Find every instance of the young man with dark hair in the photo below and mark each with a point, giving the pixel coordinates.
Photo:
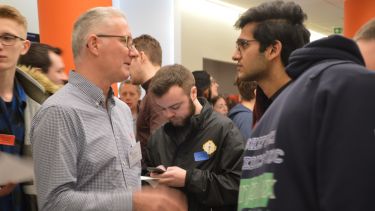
(48, 59)
(20, 98)
(365, 38)
(269, 33)
(142, 70)
(314, 147)
(200, 149)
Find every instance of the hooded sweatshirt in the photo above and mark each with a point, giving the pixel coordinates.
(314, 148)
(242, 117)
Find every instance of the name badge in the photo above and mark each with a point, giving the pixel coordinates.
(200, 156)
(6, 139)
(135, 154)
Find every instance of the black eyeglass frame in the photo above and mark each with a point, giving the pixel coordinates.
(12, 37)
(243, 43)
(125, 38)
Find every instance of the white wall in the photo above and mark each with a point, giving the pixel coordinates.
(28, 8)
(155, 18)
(207, 31)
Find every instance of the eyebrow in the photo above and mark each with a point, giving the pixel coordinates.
(172, 105)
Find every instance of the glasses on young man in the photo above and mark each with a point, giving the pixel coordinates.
(9, 39)
(242, 44)
(126, 40)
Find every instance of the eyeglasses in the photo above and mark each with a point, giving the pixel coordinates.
(242, 44)
(125, 39)
(9, 39)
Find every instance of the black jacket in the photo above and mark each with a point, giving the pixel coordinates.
(314, 148)
(214, 181)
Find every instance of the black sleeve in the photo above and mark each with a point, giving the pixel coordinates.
(346, 144)
(149, 159)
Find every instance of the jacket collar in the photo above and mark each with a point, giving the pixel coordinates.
(32, 88)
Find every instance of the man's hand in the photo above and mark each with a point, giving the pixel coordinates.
(173, 177)
(7, 189)
(160, 198)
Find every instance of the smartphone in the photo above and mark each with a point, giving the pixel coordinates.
(155, 170)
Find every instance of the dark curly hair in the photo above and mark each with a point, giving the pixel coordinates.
(277, 20)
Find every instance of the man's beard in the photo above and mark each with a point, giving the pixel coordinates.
(186, 120)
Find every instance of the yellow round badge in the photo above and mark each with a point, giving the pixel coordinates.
(209, 147)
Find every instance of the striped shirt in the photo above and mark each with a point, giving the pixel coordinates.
(86, 156)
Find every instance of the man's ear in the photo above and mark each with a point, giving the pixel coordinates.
(25, 47)
(193, 93)
(93, 45)
(274, 50)
(142, 56)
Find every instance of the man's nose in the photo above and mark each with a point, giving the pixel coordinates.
(169, 114)
(236, 55)
(64, 76)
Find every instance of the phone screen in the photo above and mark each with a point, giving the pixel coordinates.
(155, 170)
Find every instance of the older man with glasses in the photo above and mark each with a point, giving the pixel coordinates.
(20, 97)
(86, 156)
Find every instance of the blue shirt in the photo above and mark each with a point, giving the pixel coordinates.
(12, 123)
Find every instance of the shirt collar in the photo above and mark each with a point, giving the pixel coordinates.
(90, 89)
(277, 93)
(146, 84)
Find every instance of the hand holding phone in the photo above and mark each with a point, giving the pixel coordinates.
(156, 170)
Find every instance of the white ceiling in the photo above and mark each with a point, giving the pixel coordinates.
(322, 15)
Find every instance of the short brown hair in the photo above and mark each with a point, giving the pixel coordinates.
(12, 13)
(38, 57)
(246, 89)
(150, 46)
(172, 75)
(366, 32)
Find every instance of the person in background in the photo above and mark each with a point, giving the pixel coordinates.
(242, 113)
(214, 87)
(206, 85)
(20, 98)
(269, 33)
(220, 105)
(86, 156)
(232, 100)
(131, 95)
(365, 39)
(200, 149)
(49, 62)
(202, 83)
(142, 70)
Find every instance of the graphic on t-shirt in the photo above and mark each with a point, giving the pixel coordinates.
(256, 192)
(257, 182)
